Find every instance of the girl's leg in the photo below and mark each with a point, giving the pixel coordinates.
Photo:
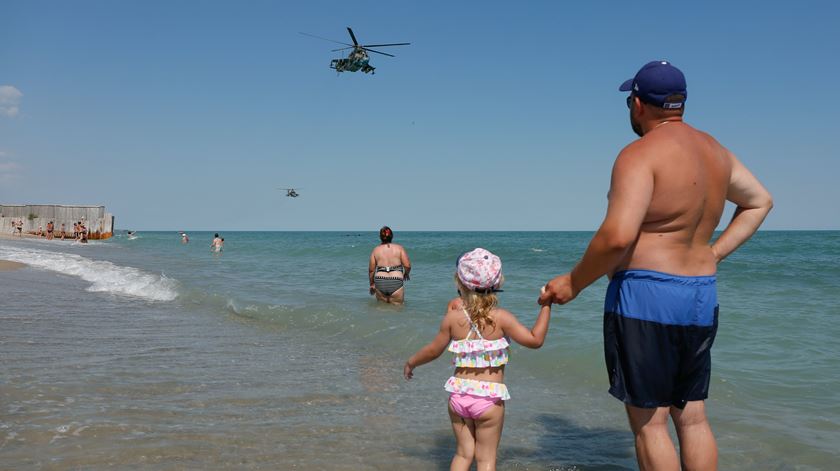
(488, 432)
(464, 430)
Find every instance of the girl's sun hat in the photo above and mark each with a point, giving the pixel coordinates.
(480, 270)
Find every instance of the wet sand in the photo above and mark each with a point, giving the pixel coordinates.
(6, 265)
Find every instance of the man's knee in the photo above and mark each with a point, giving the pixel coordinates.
(647, 420)
(692, 415)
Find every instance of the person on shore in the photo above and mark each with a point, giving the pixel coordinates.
(40, 232)
(20, 227)
(63, 231)
(388, 269)
(478, 335)
(50, 230)
(666, 198)
(216, 245)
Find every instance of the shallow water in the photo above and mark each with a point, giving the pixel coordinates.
(150, 354)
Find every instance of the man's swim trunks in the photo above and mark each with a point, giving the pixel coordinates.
(658, 335)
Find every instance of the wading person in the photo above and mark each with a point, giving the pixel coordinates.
(666, 198)
(388, 269)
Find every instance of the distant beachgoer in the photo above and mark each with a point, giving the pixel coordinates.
(40, 232)
(666, 198)
(222, 244)
(216, 245)
(63, 232)
(50, 229)
(185, 238)
(388, 269)
(477, 333)
(20, 227)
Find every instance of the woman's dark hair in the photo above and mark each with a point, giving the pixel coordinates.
(386, 235)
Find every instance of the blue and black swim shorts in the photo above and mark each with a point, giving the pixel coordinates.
(658, 335)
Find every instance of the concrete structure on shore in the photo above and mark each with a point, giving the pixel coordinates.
(100, 224)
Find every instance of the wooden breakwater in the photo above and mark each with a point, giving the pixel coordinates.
(99, 223)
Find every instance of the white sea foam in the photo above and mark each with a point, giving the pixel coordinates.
(103, 276)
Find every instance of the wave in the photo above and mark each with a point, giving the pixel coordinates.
(103, 276)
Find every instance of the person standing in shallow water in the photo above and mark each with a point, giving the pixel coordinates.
(666, 198)
(388, 269)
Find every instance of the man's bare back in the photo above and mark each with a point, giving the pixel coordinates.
(667, 195)
(691, 171)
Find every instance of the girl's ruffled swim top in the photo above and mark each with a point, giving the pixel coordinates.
(479, 352)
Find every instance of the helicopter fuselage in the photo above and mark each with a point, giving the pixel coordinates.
(356, 61)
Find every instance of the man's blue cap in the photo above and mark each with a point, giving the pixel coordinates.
(658, 83)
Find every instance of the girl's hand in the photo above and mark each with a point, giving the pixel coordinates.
(408, 371)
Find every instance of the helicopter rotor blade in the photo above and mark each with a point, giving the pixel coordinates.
(352, 36)
(325, 39)
(383, 45)
(378, 52)
(344, 48)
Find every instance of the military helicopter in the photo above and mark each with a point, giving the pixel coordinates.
(358, 58)
(290, 192)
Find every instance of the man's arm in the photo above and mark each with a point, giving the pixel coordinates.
(631, 191)
(754, 202)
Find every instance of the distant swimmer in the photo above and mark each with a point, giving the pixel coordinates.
(132, 235)
(185, 239)
(217, 244)
(388, 269)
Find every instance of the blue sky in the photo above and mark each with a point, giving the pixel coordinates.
(499, 116)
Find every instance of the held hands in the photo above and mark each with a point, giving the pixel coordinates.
(559, 290)
(408, 371)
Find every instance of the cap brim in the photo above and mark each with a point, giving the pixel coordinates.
(626, 86)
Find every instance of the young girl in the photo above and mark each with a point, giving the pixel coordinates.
(477, 333)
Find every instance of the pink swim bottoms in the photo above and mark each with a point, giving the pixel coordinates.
(469, 406)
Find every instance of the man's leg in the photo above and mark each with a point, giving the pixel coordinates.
(654, 448)
(698, 450)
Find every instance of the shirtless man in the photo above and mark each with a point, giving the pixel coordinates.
(50, 230)
(388, 269)
(666, 198)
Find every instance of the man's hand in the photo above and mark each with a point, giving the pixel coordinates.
(559, 291)
(408, 371)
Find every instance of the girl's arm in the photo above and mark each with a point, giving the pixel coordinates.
(431, 351)
(533, 338)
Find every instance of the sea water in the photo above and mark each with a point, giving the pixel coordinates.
(152, 354)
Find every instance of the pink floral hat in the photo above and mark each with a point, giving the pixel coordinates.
(480, 270)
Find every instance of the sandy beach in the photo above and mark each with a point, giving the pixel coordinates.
(6, 265)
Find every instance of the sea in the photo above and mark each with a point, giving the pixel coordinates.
(147, 353)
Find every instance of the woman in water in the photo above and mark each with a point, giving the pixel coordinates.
(388, 269)
(477, 332)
